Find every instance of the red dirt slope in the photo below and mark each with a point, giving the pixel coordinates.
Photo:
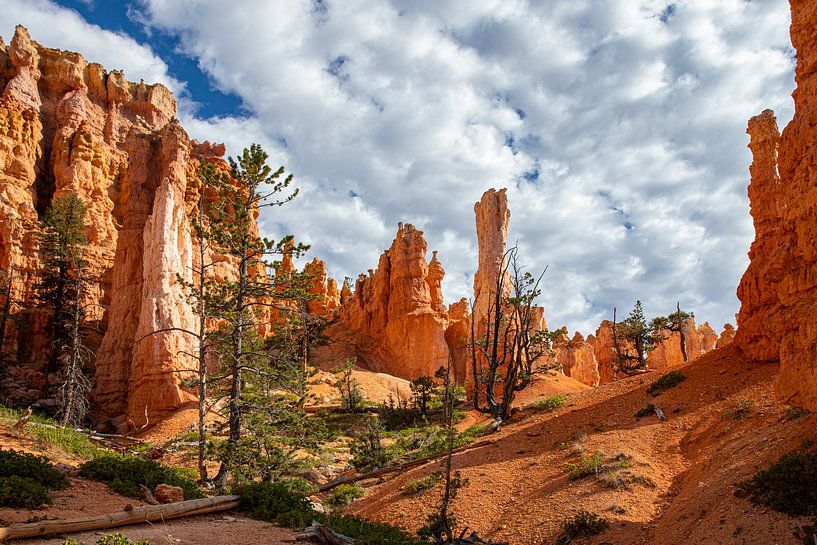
(675, 479)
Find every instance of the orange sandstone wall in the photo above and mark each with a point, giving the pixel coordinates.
(67, 125)
(778, 292)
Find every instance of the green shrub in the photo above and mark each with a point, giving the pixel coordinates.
(582, 524)
(16, 491)
(807, 533)
(418, 485)
(787, 486)
(551, 403)
(367, 450)
(793, 413)
(365, 532)
(112, 539)
(670, 380)
(345, 494)
(589, 465)
(34, 468)
(740, 409)
(475, 430)
(275, 502)
(124, 474)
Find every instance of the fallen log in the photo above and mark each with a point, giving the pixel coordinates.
(135, 515)
(399, 467)
(323, 535)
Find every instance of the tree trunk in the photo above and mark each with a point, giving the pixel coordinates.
(136, 515)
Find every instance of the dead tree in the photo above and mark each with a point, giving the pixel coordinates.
(74, 384)
(510, 343)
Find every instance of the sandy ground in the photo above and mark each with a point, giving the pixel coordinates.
(88, 498)
(679, 483)
(676, 486)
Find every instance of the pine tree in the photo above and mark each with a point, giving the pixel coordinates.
(60, 289)
(62, 241)
(238, 302)
(642, 336)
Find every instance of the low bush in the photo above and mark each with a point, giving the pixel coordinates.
(35, 468)
(670, 380)
(787, 486)
(589, 465)
(16, 491)
(418, 485)
(582, 524)
(365, 532)
(807, 533)
(345, 494)
(124, 474)
(740, 409)
(368, 451)
(551, 403)
(275, 502)
(793, 413)
(646, 410)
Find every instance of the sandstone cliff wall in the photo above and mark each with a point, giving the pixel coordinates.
(67, 125)
(778, 292)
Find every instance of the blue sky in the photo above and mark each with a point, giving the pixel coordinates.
(618, 126)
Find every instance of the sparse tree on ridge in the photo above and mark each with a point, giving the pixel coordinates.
(675, 322)
(637, 333)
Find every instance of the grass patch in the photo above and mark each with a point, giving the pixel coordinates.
(787, 486)
(670, 380)
(345, 494)
(582, 524)
(418, 485)
(66, 439)
(112, 539)
(550, 403)
(26, 480)
(124, 474)
(589, 465)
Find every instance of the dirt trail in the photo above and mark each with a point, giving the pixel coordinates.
(678, 478)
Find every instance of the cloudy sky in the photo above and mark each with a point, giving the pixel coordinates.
(618, 127)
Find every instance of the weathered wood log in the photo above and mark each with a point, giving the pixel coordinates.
(399, 467)
(136, 515)
(659, 413)
(323, 535)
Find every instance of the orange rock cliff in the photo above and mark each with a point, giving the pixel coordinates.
(67, 125)
(778, 292)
